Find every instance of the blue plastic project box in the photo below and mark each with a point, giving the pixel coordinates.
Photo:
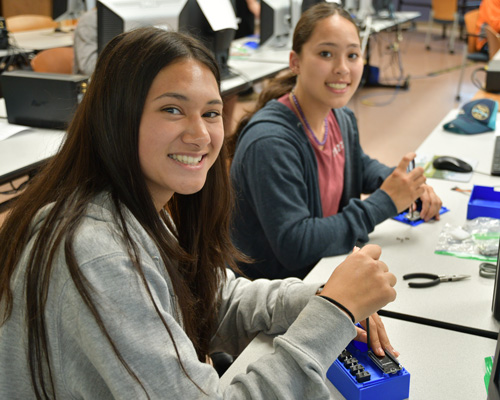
(380, 386)
(484, 201)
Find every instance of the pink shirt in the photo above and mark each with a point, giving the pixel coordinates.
(330, 162)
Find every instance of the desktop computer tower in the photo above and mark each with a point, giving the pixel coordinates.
(42, 100)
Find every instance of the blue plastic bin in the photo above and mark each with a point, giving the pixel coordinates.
(484, 201)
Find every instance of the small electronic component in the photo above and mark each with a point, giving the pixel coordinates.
(388, 364)
(413, 216)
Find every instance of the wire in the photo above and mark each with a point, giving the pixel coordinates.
(487, 270)
(467, 192)
(477, 83)
(368, 332)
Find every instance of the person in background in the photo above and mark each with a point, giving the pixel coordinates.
(298, 167)
(113, 279)
(85, 43)
(489, 14)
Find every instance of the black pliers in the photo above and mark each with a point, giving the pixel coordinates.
(434, 279)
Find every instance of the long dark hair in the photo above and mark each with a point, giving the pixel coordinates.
(101, 154)
(285, 82)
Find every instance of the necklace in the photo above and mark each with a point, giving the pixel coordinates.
(322, 143)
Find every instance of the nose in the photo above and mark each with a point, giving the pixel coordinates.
(196, 133)
(341, 67)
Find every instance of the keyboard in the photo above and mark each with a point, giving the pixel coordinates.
(495, 166)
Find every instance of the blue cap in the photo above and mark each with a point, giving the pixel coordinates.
(476, 116)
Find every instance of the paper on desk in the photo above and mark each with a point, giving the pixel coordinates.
(425, 162)
(8, 130)
(219, 15)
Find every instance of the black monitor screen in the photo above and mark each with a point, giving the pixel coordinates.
(493, 387)
(246, 25)
(193, 21)
(495, 304)
(275, 22)
(309, 3)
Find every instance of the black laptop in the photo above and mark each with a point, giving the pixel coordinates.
(42, 100)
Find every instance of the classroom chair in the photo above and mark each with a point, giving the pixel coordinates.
(443, 12)
(57, 60)
(493, 39)
(29, 22)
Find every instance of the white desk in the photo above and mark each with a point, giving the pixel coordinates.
(249, 73)
(465, 304)
(442, 364)
(39, 39)
(25, 151)
(270, 54)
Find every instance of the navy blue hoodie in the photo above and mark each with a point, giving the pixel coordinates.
(278, 219)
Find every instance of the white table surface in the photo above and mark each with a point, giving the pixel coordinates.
(34, 145)
(40, 39)
(443, 364)
(272, 54)
(465, 303)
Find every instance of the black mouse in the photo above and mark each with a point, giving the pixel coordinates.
(451, 164)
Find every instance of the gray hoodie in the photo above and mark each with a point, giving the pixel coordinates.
(312, 332)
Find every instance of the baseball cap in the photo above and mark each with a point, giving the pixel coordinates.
(476, 116)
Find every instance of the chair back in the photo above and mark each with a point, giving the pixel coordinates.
(444, 10)
(58, 60)
(493, 39)
(470, 19)
(29, 22)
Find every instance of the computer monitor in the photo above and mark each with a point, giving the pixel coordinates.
(494, 385)
(309, 3)
(495, 304)
(383, 8)
(350, 5)
(117, 16)
(70, 9)
(275, 23)
(246, 19)
(192, 20)
(365, 9)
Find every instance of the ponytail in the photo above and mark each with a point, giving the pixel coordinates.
(282, 84)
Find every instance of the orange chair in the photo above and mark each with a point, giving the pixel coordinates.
(29, 22)
(470, 53)
(443, 12)
(58, 60)
(493, 39)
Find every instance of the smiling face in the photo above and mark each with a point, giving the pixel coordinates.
(181, 131)
(329, 66)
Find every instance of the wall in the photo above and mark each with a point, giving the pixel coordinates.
(9, 8)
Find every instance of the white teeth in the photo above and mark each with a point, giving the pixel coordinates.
(186, 159)
(337, 85)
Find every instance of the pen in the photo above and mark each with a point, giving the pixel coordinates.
(411, 167)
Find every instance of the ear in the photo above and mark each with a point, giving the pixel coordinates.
(294, 62)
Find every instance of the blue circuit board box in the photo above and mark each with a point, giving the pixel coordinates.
(355, 374)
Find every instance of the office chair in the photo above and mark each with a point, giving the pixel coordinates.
(443, 12)
(57, 60)
(29, 22)
(470, 52)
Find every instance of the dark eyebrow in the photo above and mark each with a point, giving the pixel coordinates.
(181, 97)
(336, 45)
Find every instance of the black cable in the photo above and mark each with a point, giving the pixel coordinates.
(368, 333)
